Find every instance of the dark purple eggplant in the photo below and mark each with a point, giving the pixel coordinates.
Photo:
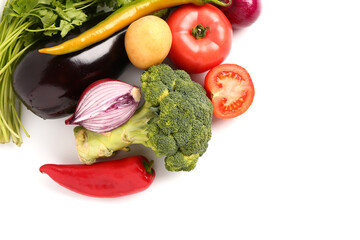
(50, 86)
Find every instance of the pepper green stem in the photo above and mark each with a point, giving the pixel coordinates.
(148, 165)
(199, 31)
(220, 3)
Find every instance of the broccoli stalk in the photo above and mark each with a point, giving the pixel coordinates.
(175, 121)
(91, 145)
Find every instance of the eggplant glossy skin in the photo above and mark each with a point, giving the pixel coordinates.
(50, 86)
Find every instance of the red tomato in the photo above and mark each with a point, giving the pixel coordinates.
(196, 55)
(230, 89)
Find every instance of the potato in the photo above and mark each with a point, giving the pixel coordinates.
(148, 41)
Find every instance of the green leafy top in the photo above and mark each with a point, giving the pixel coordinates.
(54, 16)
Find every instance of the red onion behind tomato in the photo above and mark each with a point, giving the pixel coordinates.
(242, 13)
(105, 105)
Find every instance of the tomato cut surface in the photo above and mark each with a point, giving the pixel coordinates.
(230, 89)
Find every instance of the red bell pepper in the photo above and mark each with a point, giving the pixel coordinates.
(106, 179)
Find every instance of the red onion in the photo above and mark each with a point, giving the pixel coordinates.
(105, 105)
(242, 13)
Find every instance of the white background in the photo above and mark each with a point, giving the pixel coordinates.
(289, 168)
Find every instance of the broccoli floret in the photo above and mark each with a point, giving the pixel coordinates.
(155, 92)
(175, 121)
(161, 143)
(181, 162)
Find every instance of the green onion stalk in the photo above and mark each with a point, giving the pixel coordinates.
(11, 49)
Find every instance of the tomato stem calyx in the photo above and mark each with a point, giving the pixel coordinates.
(199, 31)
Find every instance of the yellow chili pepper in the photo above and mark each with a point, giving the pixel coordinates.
(117, 21)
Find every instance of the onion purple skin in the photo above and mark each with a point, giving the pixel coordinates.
(50, 86)
(242, 13)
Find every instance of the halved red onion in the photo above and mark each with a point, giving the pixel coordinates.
(105, 105)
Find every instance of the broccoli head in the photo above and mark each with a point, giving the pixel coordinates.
(175, 121)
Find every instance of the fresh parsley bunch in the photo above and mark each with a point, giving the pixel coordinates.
(23, 23)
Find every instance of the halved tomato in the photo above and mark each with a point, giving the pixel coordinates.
(230, 89)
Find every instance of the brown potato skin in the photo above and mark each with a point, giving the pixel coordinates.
(148, 41)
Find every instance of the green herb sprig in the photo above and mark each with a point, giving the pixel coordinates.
(23, 23)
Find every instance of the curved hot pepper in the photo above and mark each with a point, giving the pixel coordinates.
(118, 20)
(107, 179)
